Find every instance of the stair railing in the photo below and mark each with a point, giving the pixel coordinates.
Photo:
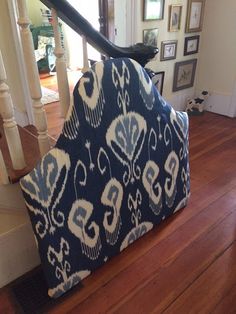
(61, 68)
(139, 52)
(85, 55)
(68, 14)
(9, 124)
(33, 77)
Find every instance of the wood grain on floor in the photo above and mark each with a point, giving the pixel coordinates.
(188, 263)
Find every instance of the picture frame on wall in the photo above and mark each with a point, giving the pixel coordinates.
(150, 37)
(184, 74)
(153, 10)
(195, 13)
(158, 80)
(175, 14)
(191, 45)
(168, 50)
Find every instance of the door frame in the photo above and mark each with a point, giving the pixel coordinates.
(131, 22)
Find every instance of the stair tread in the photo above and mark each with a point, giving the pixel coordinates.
(32, 129)
(9, 221)
(31, 152)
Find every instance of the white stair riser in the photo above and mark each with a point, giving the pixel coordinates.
(18, 253)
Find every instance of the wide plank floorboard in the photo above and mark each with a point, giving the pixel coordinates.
(207, 291)
(227, 303)
(160, 289)
(185, 265)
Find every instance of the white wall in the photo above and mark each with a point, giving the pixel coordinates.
(34, 7)
(177, 99)
(120, 22)
(217, 63)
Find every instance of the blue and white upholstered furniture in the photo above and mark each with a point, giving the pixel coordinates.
(118, 169)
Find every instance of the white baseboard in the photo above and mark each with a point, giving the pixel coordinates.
(18, 253)
(224, 104)
(232, 109)
(218, 104)
(178, 100)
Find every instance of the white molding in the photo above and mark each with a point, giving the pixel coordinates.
(18, 253)
(178, 100)
(219, 104)
(232, 107)
(131, 22)
(20, 60)
(223, 104)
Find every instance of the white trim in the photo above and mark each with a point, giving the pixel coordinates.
(131, 22)
(25, 89)
(179, 99)
(232, 108)
(219, 103)
(18, 253)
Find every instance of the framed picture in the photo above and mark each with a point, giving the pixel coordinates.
(168, 50)
(191, 45)
(194, 18)
(184, 74)
(153, 9)
(150, 37)
(175, 13)
(158, 81)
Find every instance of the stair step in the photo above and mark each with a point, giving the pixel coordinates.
(11, 198)
(18, 249)
(10, 220)
(32, 129)
(29, 142)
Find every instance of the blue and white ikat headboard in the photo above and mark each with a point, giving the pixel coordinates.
(119, 167)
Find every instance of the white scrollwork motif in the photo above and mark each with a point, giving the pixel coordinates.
(80, 213)
(171, 167)
(112, 196)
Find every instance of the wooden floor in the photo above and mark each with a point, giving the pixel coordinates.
(188, 263)
(53, 111)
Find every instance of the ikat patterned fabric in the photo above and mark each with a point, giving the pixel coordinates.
(119, 167)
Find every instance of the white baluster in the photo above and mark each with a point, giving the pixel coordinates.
(85, 55)
(4, 179)
(61, 68)
(9, 123)
(33, 78)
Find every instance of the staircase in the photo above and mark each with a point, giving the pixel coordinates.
(18, 251)
(22, 147)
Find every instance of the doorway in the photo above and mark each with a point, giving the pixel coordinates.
(107, 19)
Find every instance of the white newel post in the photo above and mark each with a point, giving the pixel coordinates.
(61, 68)
(85, 55)
(9, 123)
(33, 78)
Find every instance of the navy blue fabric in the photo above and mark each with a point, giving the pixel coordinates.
(119, 167)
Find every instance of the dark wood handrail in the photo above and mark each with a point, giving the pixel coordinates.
(139, 52)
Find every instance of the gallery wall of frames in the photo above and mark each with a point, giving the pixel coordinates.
(175, 28)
